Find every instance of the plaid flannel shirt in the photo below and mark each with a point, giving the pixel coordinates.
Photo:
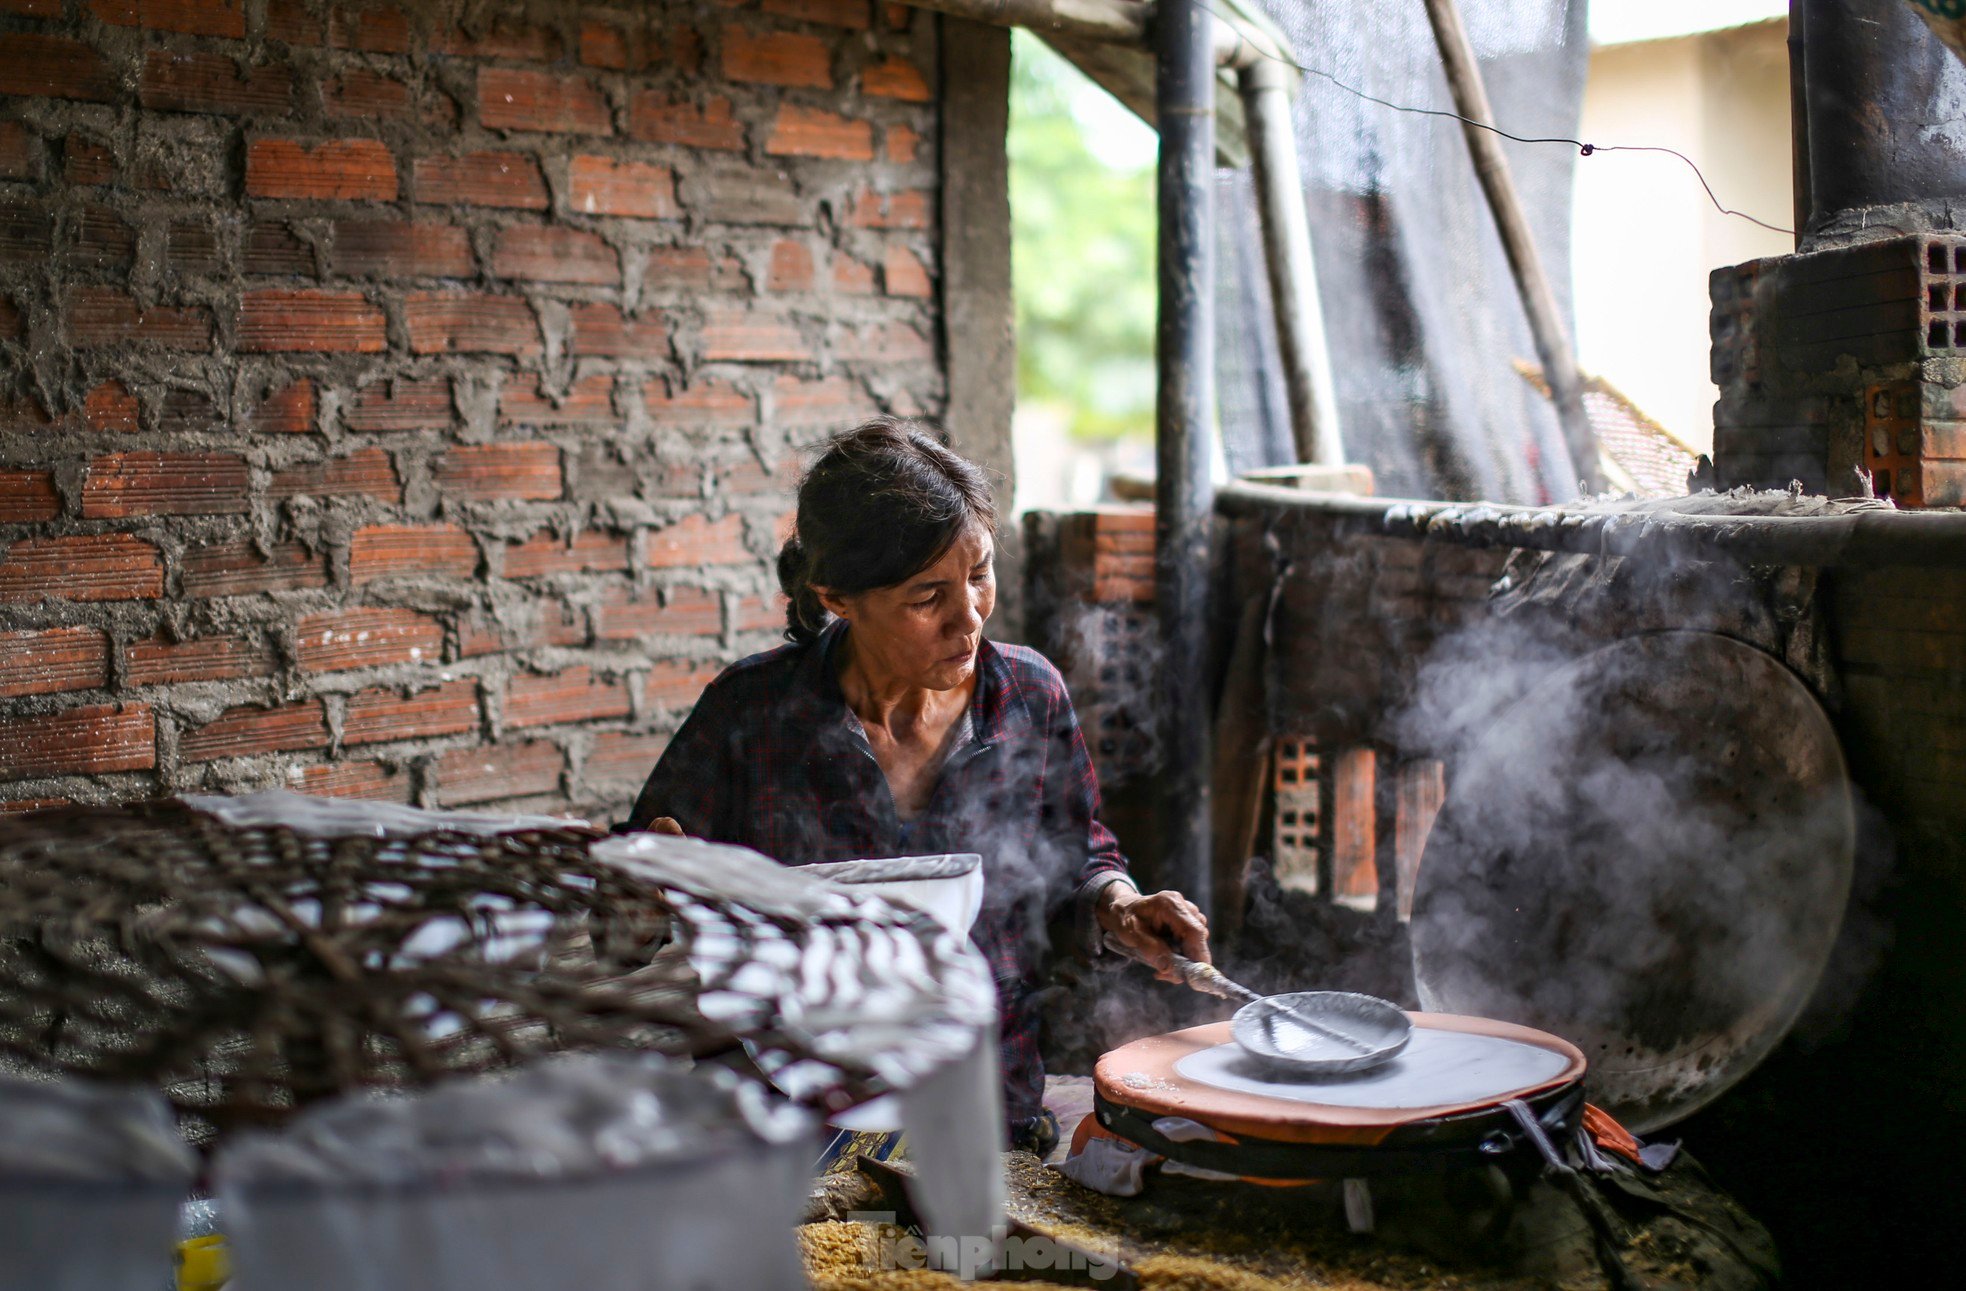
(771, 759)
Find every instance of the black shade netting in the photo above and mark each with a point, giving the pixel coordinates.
(1426, 327)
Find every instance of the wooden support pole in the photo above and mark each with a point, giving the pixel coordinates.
(1553, 348)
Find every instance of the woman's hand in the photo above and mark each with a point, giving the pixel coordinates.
(666, 825)
(1153, 926)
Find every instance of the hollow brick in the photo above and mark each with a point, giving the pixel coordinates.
(700, 403)
(906, 209)
(79, 741)
(378, 30)
(20, 153)
(590, 401)
(289, 410)
(620, 758)
(50, 660)
(895, 78)
(99, 316)
(751, 336)
(674, 685)
(851, 14)
(83, 567)
(902, 274)
(369, 781)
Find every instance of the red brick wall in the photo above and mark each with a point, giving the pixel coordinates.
(399, 401)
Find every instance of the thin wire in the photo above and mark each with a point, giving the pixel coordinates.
(1583, 149)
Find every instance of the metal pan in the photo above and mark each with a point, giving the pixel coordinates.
(1354, 1032)
(1304, 1033)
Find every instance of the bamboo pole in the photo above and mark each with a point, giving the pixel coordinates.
(1552, 336)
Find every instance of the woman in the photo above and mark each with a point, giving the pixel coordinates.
(890, 726)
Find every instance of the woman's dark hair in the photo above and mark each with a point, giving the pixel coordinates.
(883, 502)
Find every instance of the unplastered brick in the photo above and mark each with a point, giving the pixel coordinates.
(575, 695)
(399, 405)
(424, 380)
(620, 758)
(84, 567)
(489, 772)
(334, 170)
(602, 330)
(366, 472)
(366, 637)
(659, 116)
(46, 661)
(382, 716)
(551, 253)
(371, 781)
(411, 551)
(400, 249)
(694, 540)
(777, 58)
(486, 178)
(158, 661)
(451, 324)
(27, 496)
(522, 99)
(628, 615)
(91, 740)
(254, 729)
(176, 81)
(606, 186)
(188, 17)
(322, 322)
(490, 472)
(814, 132)
(587, 552)
(239, 568)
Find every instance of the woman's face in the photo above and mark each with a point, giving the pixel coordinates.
(924, 631)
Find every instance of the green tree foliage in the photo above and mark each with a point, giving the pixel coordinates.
(1082, 219)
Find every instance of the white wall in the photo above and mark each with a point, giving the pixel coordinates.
(1645, 234)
